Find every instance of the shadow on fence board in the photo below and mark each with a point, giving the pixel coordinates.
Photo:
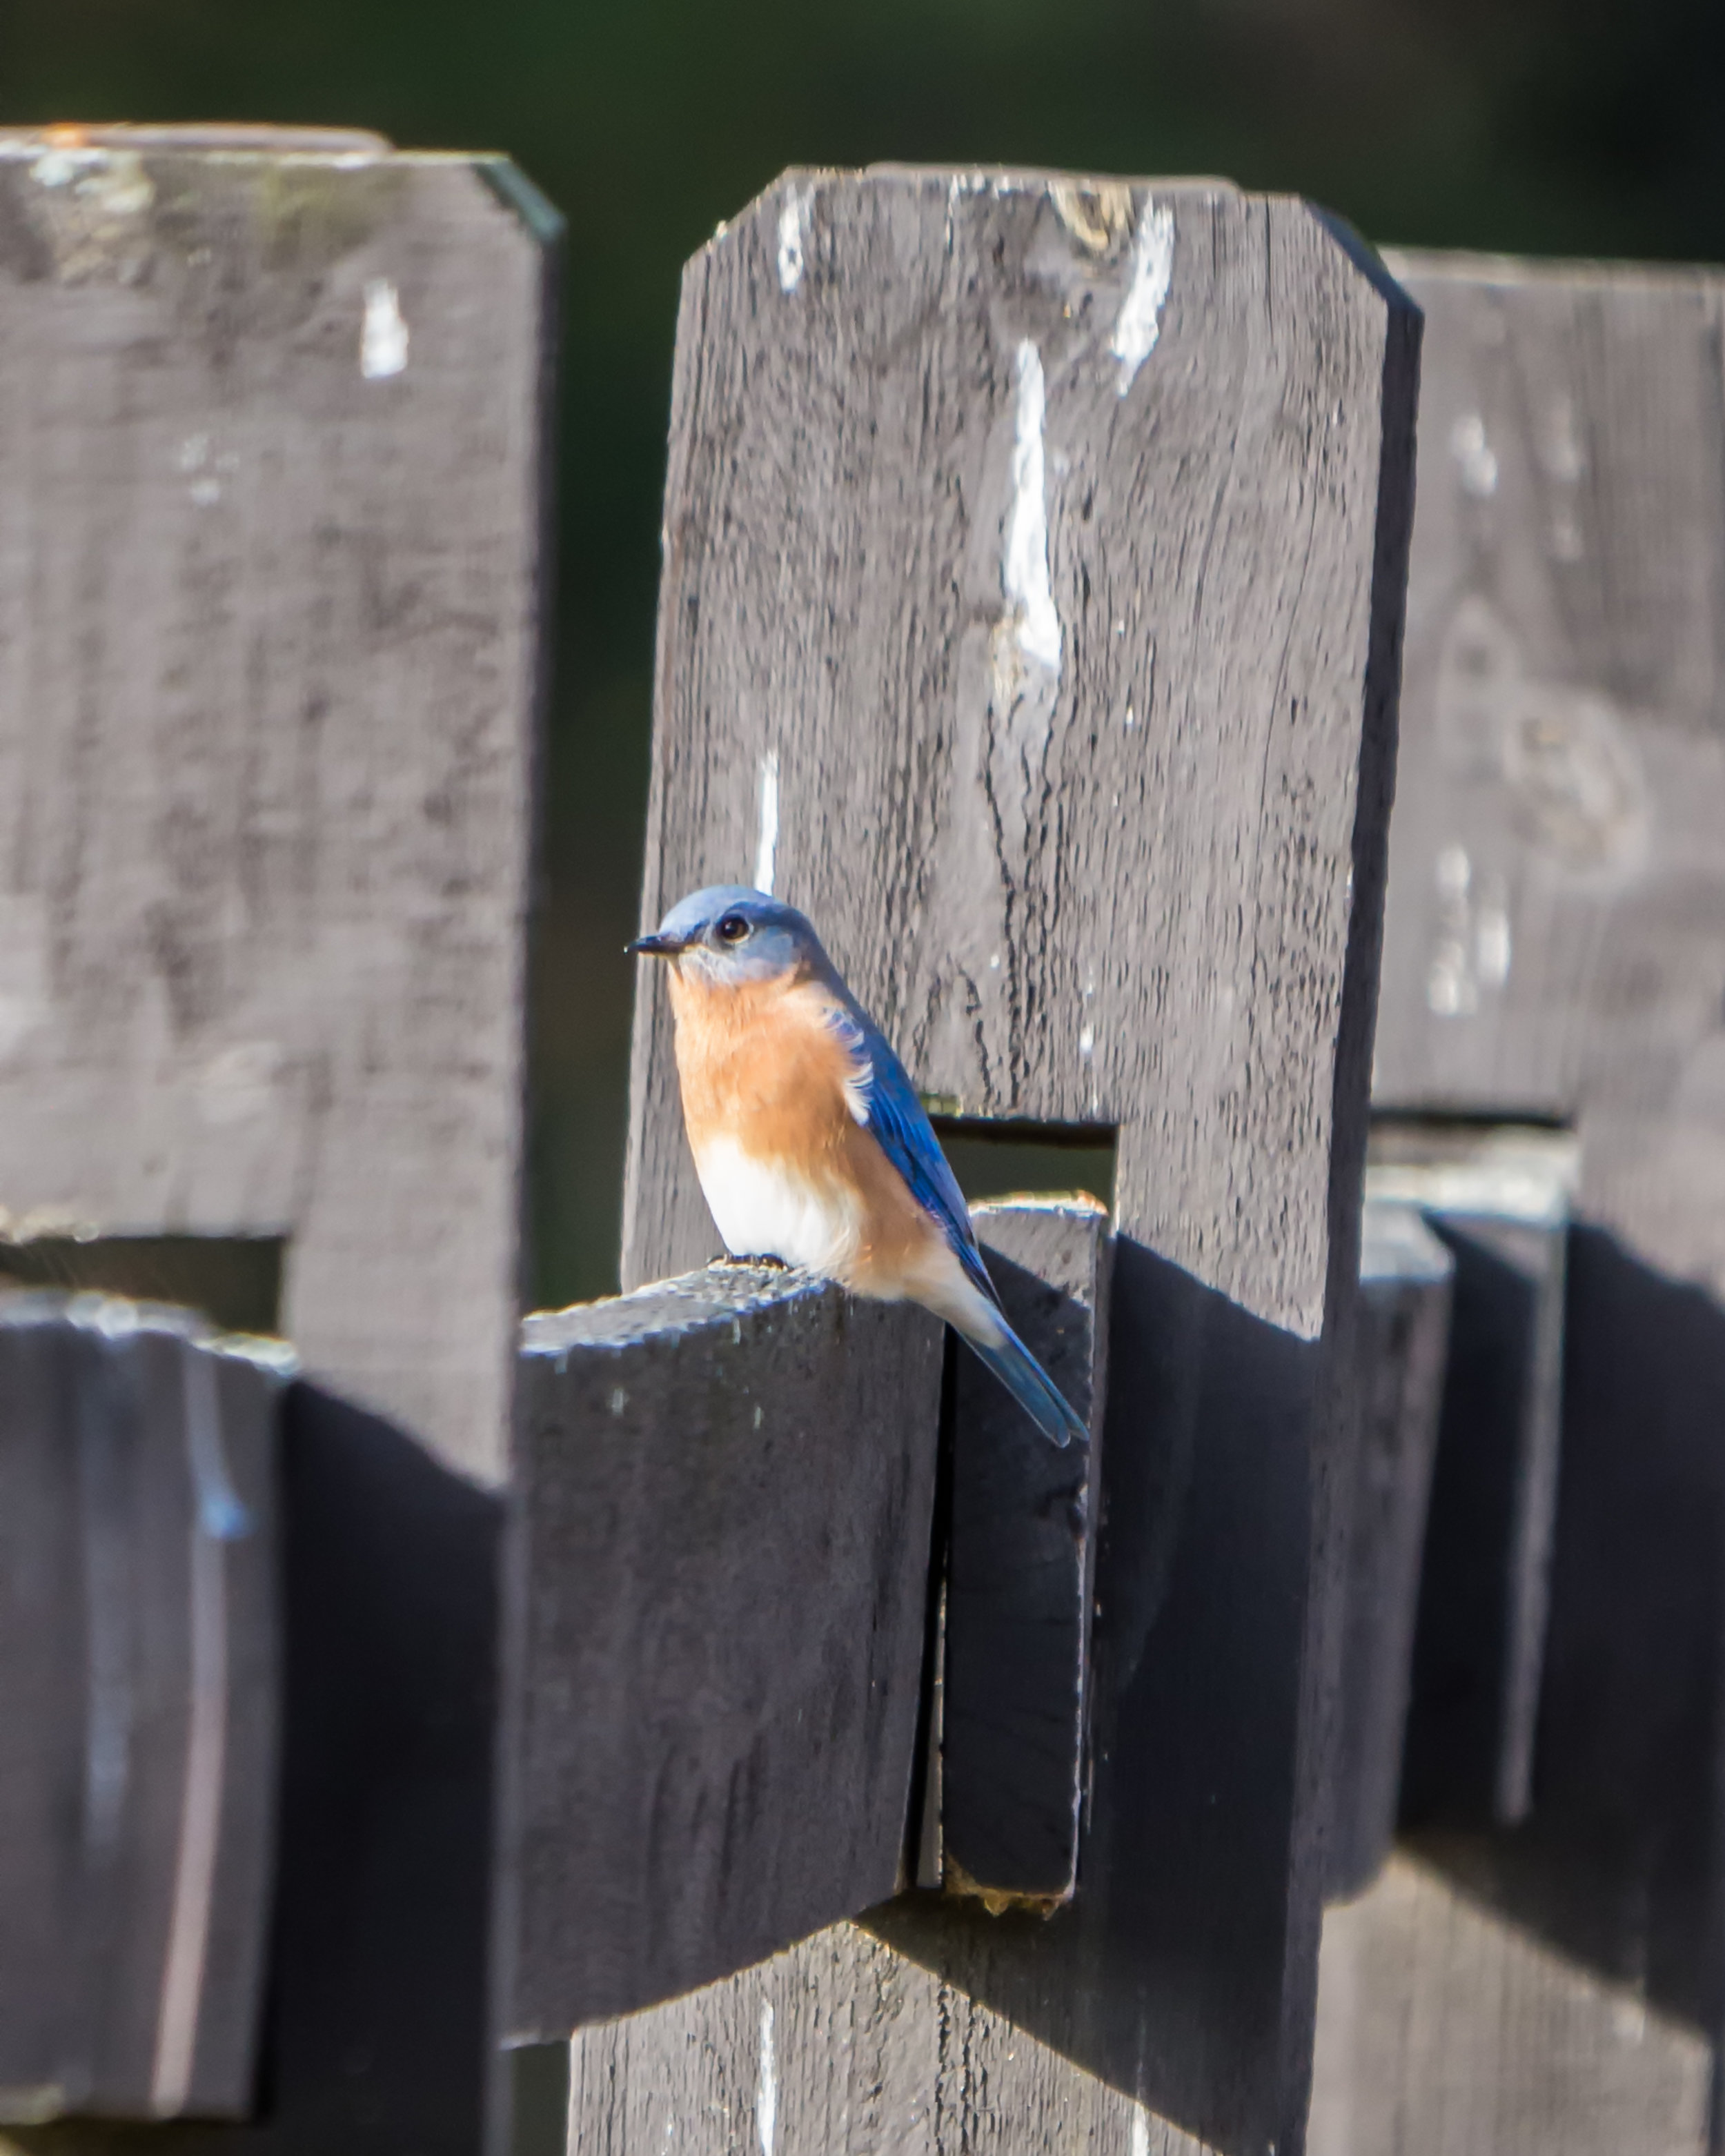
(1406, 1279)
(1555, 943)
(1163, 1977)
(1618, 1865)
(375, 2030)
(1498, 1197)
(1018, 1581)
(139, 1681)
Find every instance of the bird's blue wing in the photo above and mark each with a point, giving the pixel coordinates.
(889, 1109)
(880, 1096)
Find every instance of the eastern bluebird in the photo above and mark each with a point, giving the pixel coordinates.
(808, 1140)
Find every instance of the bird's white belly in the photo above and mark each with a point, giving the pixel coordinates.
(764, 1208)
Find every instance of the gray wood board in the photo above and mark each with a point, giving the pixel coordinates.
(1112, 889)
(726, 1487)
(1499, 1197)
(1555, 940)
(842, 2047)
(1445, 2028)
(376, 2032)
(271, 480)
(1406, 1279)
(1555, 927)
(1034, 554)
(140, 1692)
(1020, 1564)
(1623, 1865)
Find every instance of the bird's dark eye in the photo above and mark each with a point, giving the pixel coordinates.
(732, 928)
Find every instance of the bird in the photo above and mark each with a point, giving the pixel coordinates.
(809, 1142)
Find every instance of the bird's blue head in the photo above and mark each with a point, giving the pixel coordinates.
(729, 934)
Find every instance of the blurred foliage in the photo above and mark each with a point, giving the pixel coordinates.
(1534, 126)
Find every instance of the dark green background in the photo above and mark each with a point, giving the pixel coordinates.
(1591, 126)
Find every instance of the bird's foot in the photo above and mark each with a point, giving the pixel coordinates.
(762, 1261)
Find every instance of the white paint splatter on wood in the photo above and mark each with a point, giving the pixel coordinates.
(55, 168)
(1451, 989)
(383, 336)
(1474, 453)
(1560, 448)
(793, 232)
(1453, 871)
(197, 459)
(1493, 946)
(112, 183)
(238, 1083)
(767, 844)
(766, 2084)
(1138, 323)
(1024, 572)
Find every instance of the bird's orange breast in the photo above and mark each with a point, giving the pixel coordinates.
(758, 1064)
(761, 1065)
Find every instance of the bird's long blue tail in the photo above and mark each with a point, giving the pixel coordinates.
(1030, 1385)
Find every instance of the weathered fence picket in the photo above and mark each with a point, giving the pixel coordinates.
(726, 1486)
(1021, 1531)
(270, 497)
(1555, 946)
(1034, 563)
(272, 485)
(1499, 1197)
(369, 1927)
(140, 1696)
(1406, 1282)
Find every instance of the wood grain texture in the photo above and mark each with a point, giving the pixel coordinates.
(726, 1487)
(140, 1693)
(1406, 1279)
(1555, 940)
(1051, 604)
(271, 415)
(1443, 2031)
(1111, 889)
(378, 2013)
(1021, 1564)
(1555, 928)
(842, 2047)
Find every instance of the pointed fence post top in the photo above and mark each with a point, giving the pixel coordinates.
(1033, 554)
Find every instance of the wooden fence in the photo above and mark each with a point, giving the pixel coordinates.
(722, 1672)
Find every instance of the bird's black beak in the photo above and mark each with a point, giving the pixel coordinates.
(652, 946)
